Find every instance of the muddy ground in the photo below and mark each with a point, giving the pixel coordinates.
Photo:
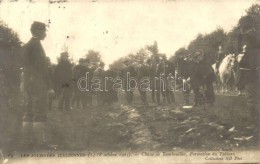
(120, 127)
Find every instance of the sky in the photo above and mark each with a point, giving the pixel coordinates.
(117, 28)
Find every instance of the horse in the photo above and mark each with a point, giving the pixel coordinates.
(228, 70)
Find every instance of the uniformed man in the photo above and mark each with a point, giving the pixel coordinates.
(219, 57)
(183, 77)
(81, 97)
(100, 74)
(110, 93)
(36, 85)
(63, 81)
(166, 70)
(127, 72)
(142, 74)
(152, 64)
(250, 64)
(202, 76)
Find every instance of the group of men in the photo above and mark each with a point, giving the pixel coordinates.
(64, 80)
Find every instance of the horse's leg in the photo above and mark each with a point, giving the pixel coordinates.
(222, 85)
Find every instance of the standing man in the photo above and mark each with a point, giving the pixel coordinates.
(250, 65)
(36, 86)
(63, 81)
(99, 73)
(128, 71)
(202, 76)
(152, 71)
(83, 97)
(166, 70)
(155, 87)
(142, 72)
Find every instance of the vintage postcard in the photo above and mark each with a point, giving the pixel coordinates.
(129, 81)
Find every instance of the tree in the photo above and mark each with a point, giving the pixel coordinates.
(153, 48)
(93, 56)
(10, 54)
(254, 11)
(209, 43)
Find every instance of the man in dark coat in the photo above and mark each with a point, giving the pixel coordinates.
(82, 70)
(166, 70)
(153, 62)
(63, 81)
(36, 86)
(128, 72)
(219, 57)
(250, 64)
(99, 74)
(142, 77)
(110, 93)
(202, 77)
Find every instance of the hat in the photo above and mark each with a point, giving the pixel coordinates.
(38, 26)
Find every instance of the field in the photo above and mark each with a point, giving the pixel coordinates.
(120, 127)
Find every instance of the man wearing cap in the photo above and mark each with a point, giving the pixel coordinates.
(250, 64)
(36, 84)
(79, 71)
(63, 81)
(219, 57)
(202, 75)
(142, 73)
(99, 73)
(128, 71)
(154, 61)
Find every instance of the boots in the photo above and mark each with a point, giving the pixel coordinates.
(27, 134)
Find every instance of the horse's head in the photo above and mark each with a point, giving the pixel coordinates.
(230, 60)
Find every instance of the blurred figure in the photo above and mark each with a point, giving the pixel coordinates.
(153, 75)
(36, 85)
(250, 65)
(82, 97)
(219, 57)
(63, 81)
(166, 70)
(142, 72)
(99, 74)
(202, 76)
(127, 72)
(110, 93)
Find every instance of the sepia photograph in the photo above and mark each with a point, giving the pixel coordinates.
(129, 81)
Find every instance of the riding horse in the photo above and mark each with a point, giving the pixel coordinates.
(228, 70)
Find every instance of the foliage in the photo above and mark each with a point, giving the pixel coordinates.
(93, 56)
(10, 57)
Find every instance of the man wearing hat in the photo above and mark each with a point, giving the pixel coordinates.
(250, 64)
(99, 73)
(36, 84)
(142, 73)
(128, 69)
(82, 69)
(219, 57)
(63, 81)
(202, 75)
(153, 63)
(166, 70)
